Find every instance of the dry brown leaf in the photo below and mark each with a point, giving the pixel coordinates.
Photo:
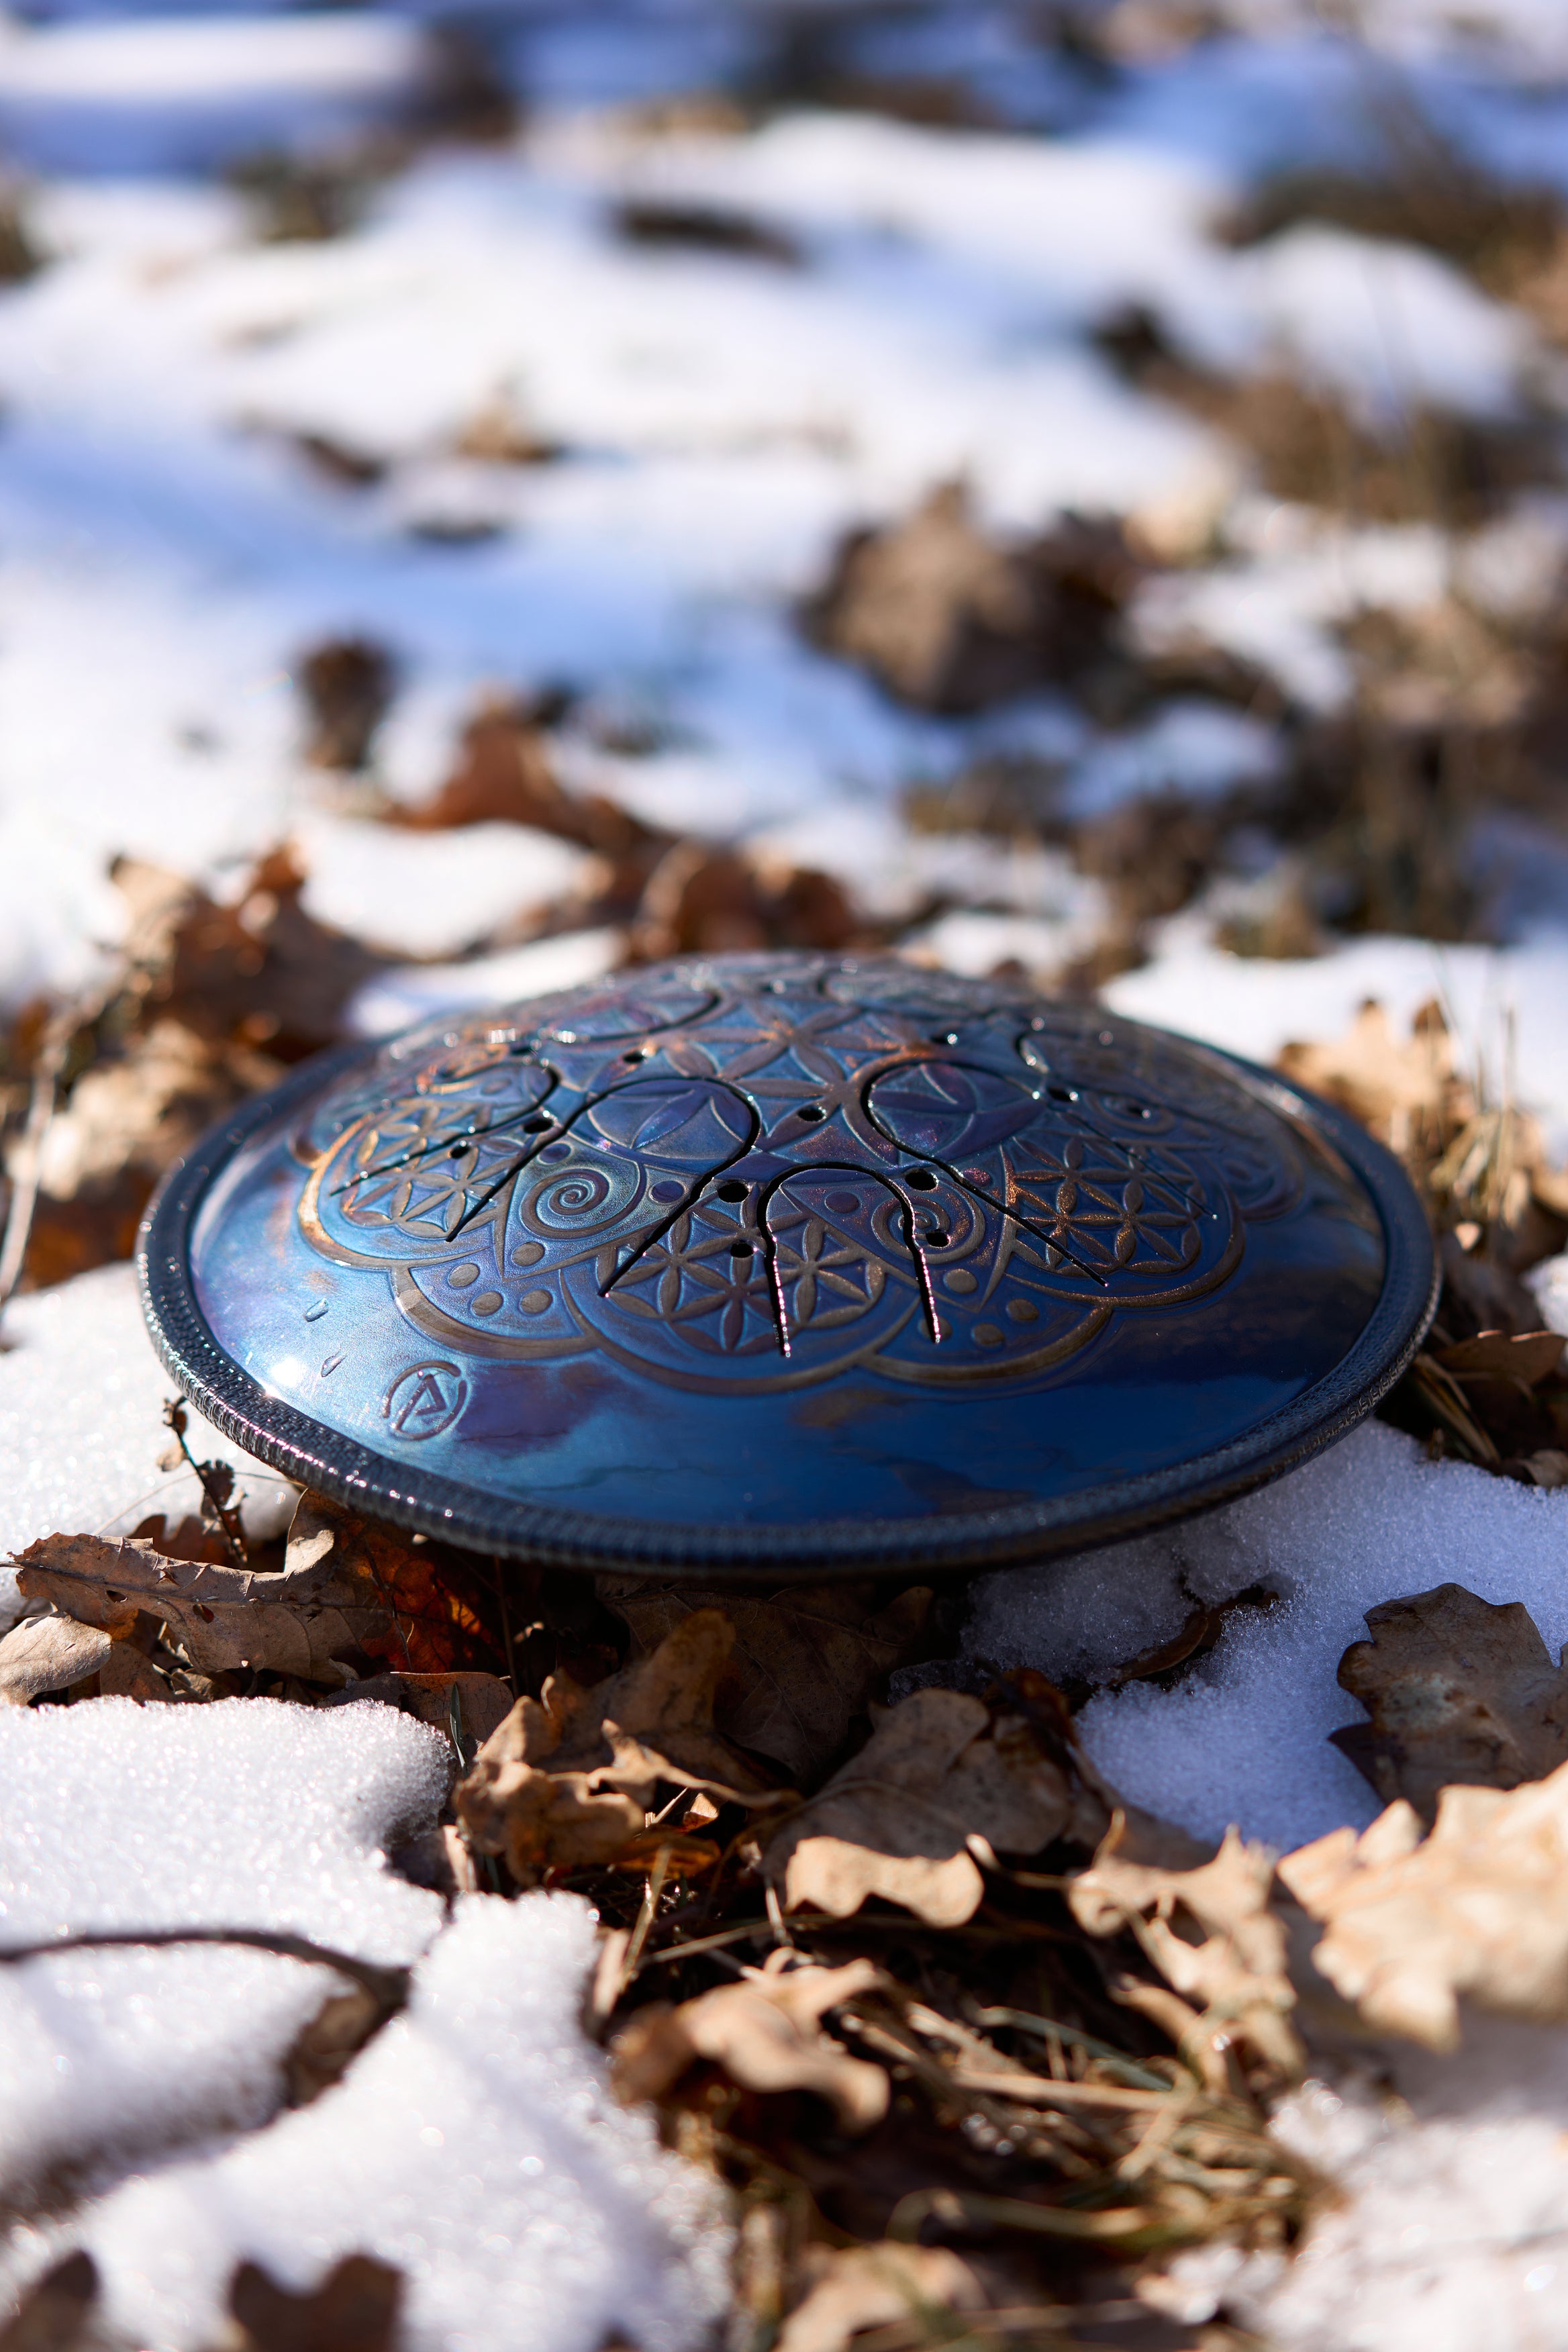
(765, 2032)
(47, 1653)
(564, 1781)
(349, 1585)
(1409, 1094)
(1478, 1911)
(872, 2286)
(1210, 1933)
(347, 685)
(543, 1821)
(897, 1819)
(354, 2309)
(950, 619)
(652, 1721)
(261, 969)
(804, 1663)
(1459, 1690)
(1527, 1358)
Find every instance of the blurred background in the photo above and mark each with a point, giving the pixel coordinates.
(1074, 488)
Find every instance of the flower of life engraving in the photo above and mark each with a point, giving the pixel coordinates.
(743, 1178)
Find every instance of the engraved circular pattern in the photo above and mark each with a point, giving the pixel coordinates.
(781, 1266)
(767, 1181)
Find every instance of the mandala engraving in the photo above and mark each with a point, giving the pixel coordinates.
(745, 1174)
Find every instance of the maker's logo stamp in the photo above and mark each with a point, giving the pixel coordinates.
(426, 1399)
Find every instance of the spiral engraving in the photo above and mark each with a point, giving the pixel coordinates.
(739, 1174)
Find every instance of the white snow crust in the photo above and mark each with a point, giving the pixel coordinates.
(475, 2145)
(82, 1440)
(243, 1814)
(1245, 1737)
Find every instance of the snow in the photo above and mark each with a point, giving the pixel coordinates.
(1198, 750)
(1454, 2233)
(243, 1814)
(432, 894)
(1549, 1282)
(1253, 1006)
(475, 2145)
(183, 94)
(82, 1438)
(1245, 1737)
(169, 553)
(406, 994)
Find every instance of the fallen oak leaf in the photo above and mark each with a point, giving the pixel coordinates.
(1478, 1910)
(1527, 1359)
(806, 1661)
(900, 1820)
(563, 1783)
(47, 1653)
(860, 2287)
(1235, 1966)
(542, 1821)
(223, 1618)
(765, 2032)
(1408, 1094)
(1459, 1690)
(349, 1585)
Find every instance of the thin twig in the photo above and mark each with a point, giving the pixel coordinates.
(228, 1519)
(387, 1983)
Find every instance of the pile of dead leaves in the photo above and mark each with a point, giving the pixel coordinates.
(978, 2048)
(1488, 1386)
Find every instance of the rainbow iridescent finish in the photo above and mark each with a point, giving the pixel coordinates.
(772, 1263)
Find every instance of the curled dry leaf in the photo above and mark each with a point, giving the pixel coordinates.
(806, 1661)
(1409, 1093)
(1211, 1934)
(349, 1585)
(1479, 1910)
(941, 1769)
(860, 2287)
(47, 1653)
(767, 2033)
(564, 1782)
(1526, 1357)
(1458, 1689)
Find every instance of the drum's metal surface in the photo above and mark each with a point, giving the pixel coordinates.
(753, 1265)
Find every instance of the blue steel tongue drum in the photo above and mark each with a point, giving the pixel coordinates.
(769, 1265)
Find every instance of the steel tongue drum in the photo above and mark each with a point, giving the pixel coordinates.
(763, 1265)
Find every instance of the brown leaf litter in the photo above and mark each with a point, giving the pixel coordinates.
(806, 1660)
(565, 1781)
(1457, 1690)
(1475, 1911)
(941, 1779)
(765, 2032)
(354, 2308)
(857, 2288)
(1213, 1936)
(949, 619)
(352, 1592)
(346, 684)
(207, 1004)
